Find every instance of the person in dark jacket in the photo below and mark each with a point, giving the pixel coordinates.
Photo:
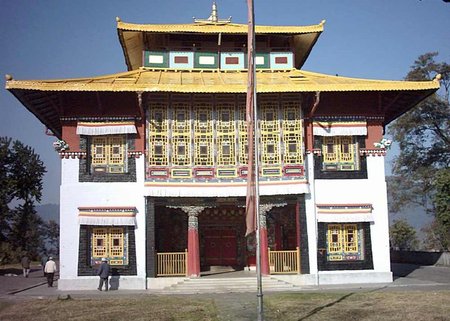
(25, 265)
(103, 273)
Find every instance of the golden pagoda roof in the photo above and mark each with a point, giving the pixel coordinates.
(134, 36)
(215, 81)
(216, 28)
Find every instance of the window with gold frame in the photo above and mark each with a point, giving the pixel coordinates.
(110, 243)
(108, 154)
(340, 153)
(344, 242)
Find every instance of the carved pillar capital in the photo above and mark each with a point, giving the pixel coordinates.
(193, 213)
(264, 209)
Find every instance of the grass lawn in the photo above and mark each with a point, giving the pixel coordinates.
(408, 305)
(136, 308)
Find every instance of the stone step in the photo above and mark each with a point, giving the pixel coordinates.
(225, 285)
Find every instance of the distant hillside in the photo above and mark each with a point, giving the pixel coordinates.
(48, 212)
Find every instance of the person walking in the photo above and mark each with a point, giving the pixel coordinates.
(103, 273)
(49, 270)
(25, 265)
(43, 261)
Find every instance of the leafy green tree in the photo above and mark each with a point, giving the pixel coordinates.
(21, 177)
(6, 187)
(423, 134)
(403, 236)
(51, 235)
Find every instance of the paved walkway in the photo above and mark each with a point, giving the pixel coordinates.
(406, 277)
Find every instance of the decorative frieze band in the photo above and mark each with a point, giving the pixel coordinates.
(74, 155)
(372, 152)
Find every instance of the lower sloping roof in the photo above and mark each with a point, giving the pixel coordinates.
(202, 81)
(46, 98)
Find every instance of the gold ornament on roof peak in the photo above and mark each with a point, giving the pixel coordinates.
(213, 18)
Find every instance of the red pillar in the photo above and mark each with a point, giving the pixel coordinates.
(193, 268)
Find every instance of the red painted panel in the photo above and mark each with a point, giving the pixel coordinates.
(220, 246)
(281, 60)
(232, 60)
(181, 59)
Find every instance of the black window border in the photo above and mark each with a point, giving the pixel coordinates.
(319, 173)
(325, 265)
(84, 253)
(85, 174)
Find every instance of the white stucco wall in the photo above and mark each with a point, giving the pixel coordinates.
(75, 194)
(371, 190)
(362, 191)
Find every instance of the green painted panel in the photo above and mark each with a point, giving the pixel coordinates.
(156, 59)
(206, 60)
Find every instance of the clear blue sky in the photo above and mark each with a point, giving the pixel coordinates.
(65, 39)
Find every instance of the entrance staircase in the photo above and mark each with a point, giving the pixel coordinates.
(227, 285)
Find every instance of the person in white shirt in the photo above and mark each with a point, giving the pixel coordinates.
(50, 269)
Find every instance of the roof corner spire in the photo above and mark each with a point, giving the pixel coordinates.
(214, 17)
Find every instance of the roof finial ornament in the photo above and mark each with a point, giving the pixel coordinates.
(214, 17)
(438, 78)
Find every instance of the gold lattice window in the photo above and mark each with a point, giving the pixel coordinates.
(339, 153)
(203, 119)
(108, 153)
(269, 120)
(158, 153)
(181, 134)
(334, 238)
(343, 242)
(243, 135)
(270, 154)
(181, 150)
(109, 242)
(99, 242)
(292, 132)
(99, 150)
(157, 118)
(226, 150)
(158, 139)
(181, 122)
(293, 148)
(116, 242)
(225, 123)
(350, 238)
(203, 153)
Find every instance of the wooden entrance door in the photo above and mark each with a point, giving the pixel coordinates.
(220, 246)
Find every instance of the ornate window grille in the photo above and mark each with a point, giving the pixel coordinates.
(340, 153)
(344, 242)
(158, 135)
(110, 243)
(108, 153)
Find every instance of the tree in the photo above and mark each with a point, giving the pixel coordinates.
(421, 168)
(21, 177)
(6, 187)
(403, 236)
(51, 235)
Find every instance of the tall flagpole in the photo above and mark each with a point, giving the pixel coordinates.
(253, 161)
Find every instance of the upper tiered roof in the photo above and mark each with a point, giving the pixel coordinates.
(134, 36)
